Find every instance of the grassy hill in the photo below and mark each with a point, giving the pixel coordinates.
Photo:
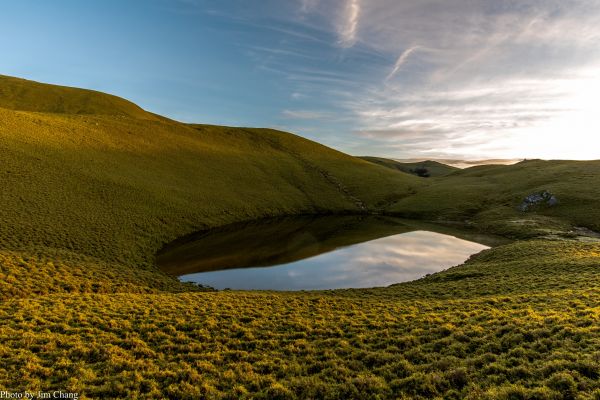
(114, 185)
(24, 95)
(92, 186)
(489, 196)
(433, 168)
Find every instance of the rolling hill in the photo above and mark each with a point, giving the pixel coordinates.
(24, 95)
(96, 176)
(93, 185)
(433, 168)
(489, 197)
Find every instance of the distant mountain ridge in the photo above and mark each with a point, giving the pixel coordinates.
(427, 168)
(460, 163)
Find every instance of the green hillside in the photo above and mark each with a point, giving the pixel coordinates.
(489, 196)
(24, 95)
(431, 168)
(116, 188)
(92, 187)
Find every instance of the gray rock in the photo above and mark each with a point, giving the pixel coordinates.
(538, 199)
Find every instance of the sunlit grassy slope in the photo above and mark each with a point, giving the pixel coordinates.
(489, 196)
(24, 95)
(518, 322)
(115, 183)
(91, 186)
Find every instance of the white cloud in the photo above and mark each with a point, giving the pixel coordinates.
(297, 95)
(485, 78)
(304, 114)
(348, 25)
(511, 117)
(492, 78)
(401, 60)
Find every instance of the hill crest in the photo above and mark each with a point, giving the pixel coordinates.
(25, 95)
(422, 168)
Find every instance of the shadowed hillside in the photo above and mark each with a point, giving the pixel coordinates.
(424, 168)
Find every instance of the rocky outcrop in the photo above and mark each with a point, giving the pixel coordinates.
(535, 200)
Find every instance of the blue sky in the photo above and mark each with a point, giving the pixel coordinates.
(417, 78)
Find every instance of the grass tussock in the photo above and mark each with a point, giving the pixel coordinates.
(46, 271)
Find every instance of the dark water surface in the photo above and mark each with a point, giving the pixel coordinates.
(324, 252)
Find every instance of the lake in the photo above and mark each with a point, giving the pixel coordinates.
(318, 252)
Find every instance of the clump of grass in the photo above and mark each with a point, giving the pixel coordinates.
(47, 271)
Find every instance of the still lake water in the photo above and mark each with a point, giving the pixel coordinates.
(309, 253)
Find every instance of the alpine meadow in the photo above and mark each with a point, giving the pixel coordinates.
(114, 219)
(92, 187)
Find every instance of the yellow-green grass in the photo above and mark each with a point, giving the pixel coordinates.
(116, 188)
(518, 322)
(92, 188)
(434, 168)
(489, 196)
(25, 95)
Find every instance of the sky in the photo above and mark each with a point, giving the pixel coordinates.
(466, 79)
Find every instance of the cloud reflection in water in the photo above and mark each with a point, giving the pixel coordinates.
(381, 262)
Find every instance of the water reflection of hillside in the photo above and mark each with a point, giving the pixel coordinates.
(287, 240)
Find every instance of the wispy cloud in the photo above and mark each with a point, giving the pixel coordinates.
(305, 114)
(307, 6)
(405, 78)
(500, 118)
(401, 60)
(297, 95)
(348, 25)
(491, 79)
